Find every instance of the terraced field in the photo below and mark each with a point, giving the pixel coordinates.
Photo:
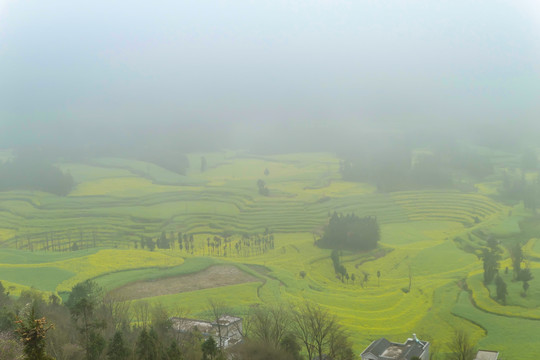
(117, 201)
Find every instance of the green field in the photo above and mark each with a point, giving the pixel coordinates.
(116, 201)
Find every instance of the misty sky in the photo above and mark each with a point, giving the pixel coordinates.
(116, 67)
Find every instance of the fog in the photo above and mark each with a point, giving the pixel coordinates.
(298, 75)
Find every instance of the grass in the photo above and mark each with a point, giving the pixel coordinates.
(42, 278)
(117, 201)
(510, 336)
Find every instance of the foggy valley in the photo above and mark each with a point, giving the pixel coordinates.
(269, 180)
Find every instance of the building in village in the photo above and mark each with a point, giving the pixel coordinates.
(487, 355)
(383, 349)
(226, 331)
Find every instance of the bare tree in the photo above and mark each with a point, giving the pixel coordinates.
(117, 310)
(10, 347)
(142, 313)
(339, 347)
(270, 325)
(217, 310)
(461, 346)
(317, 329)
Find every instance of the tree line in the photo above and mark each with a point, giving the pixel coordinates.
(28, 172)
(92, 326)
(394, 167)
(224, 244)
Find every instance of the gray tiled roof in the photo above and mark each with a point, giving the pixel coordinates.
(487, 355)
(386, 350)
(377, 347)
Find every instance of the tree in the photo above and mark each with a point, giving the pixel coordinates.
(525, 287)
(163, 242)
(146, 346)
(501, 289)
(270, 325)
(150, 244)
(190, 345)
(253, 350)
(517, 257)
(173, 352)
(342, 271)
(142, 313)
(261, 185)
(203, 164)
(32, 332)
(339, 346)
(96, 345)
(461, 347)
(490, 257)
(209, 349)
(4, 295)
(10, 348)
(525, 275)
(290, 345)
(315, 328)
(32, 171)
(349, 232)
(117, 349)
(217, 310)
(82, 304)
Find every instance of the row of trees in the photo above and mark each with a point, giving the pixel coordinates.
(225, 245)
(90, 326)
(343, 274)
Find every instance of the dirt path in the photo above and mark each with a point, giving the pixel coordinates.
(214, 276)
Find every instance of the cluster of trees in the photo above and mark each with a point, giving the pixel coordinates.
(223, 245)
(394, 167)
(91, 326)
(343, 274)
(168, 159)
(263, 190)
(33, 172)
(285, 331)
(516, 188)
(522, 274)
(350, 232)
(491, 256)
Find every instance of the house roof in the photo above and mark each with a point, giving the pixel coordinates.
(228, 319)
(487, 355)
(184, 325)
(386, 350)
(377, 347)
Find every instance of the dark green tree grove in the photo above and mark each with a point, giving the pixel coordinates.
(350, 232)
(501, 289)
